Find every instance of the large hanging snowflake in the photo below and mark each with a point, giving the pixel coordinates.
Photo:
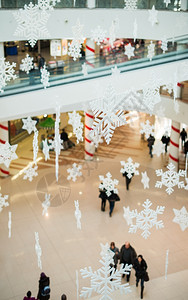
(76, 44)
(29, 125)
(38, 250)
(3, 202)
(181, 217)
(75, 121)
(98, 35)
(151, 50)
(108, 113)
(27, 64)
(106, 279)
(153, 15)
(7, 153)
(146, 219)
(164, 45)
(74, 172)
(31, 23)
(45, 77)
(145, 180)
(130, 4)
(30, 172)
(129, 50)
(147, 129)
(129, 167)
(170, 178)
(6, 72)
(108, 184)
(77, 214)
(158, 148)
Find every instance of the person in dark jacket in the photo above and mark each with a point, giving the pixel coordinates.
(103, 197)
(128, 180)
(165, 140)
(63, 297)
(127, 256)
(41, 62)
(44, 287)
(183, 135)
(28, 297)
(112, 199)
(114, 249)
(186, 148)
(140, 267)
(151, 141)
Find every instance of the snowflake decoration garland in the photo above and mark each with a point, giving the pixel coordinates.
(3, 201)
(30, 172)
(170, 178)
(106, 279)
(75, 121)
(46, 204)
(6, 72)
(108, 185)
(147, 129)
(27, 64)
(145, 180)
(129, 167)
(151, 92)
(77, 214)
(74, 172)
(181, 217)
(151, 50)
(38, 250)
(158, 148)
(129, 50)
(98, 35)
(45, 77)
(46, 149)
(7, 153)
(153, 15)
(146, 219)
(164, 45)
(29, 125)
(75, 46)
(130, 4)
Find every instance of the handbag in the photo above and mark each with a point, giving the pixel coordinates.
(146, 277)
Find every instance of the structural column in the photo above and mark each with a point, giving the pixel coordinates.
(174, 145)
(90, 54)
(4, 137)
(89, 146)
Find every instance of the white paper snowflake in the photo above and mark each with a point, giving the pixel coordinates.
(38, 250)
(76, 44)
(130, 4)
(127, 215)
(151, 92)
(170, 178)
(30, 172)
(74, 172)
(181, 217)
(129, 167)
(3, 202)
(45, 75)
(153, 15)
(129, 50)
(29, 125)
(45, 5)
(96, 139)
(46, 204)
(75, 121)
(145, 180)
(167, 2)
(6, 72)
(108, 184)
(46, 149)
(146, 219)
(135, 30)
(27, 64)
(108, 113)
(84, 69)
(106, 279)
(98, 35)
(77, 214)
(151, 50)
(164, 45)
(9, 223)
(35, 146)
(7, 153)
(147, 129)
(31, 23)
(158, 148)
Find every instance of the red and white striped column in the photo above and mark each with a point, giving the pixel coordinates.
(89, 146)
(4, 137)
(90, 54)
(174, 145)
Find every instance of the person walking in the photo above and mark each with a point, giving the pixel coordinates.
(114, 249)
(151, 141)
(103, 197)
(44, 287)
(41, 62)
(112, 199)
(183, 135)
(127, 256)
(165, 140)
(63, 297)
(140, 267)
(28, 297)
(128, 180)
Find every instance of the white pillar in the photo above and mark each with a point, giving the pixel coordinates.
(89, 147)
(174, 144)
(90, 54)
(4, 137)
(2, 54)
(91, 4)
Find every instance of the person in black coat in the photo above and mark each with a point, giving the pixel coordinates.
(165, 140)
(44, 287)
(151, 141)
(128, 180)
(112, 199)
(103, 197)
(127, 256)
(183, 135)
(140, 267)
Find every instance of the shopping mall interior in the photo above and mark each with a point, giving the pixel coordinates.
(85, 85)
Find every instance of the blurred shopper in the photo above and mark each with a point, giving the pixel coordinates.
(44, 287)
(151, 141)
(41, 62)
(140, 267)
(103, 197)
(28, 297)
(165, 140)
(112, 199)
(127, 256)
(183, 135)
(116, 256)
(63, 297)
(128, 180)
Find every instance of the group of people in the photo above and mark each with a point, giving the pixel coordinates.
(128, 256)
(43, 290)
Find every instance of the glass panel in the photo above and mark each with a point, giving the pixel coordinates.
(80, 3)
(118, 3)
(65, 3)
(103, 3)
(8, 4)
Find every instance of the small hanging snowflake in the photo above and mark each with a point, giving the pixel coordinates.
(30, 172)
(45, 77)
(46, 204)
(167, 2)
(9, 224)
(153, 15)
(7, 153)
(129, 167)
(130, 4)
(181, 217)
(74, 172)
(170, 178)
(151, 50)
(76, 44)
(108, 185)
(98, 35)
(84, 69)
(46, 149)
(147, 129)
(158, 148)
(105, 280)
(127, 215)
(45, 5)
(77, 214)
(6, 72)
(145, 180)
(3, 201)
(146, 219)
(27, 64)
(75, 121)
(29, 125)
(164, 45)
(38, 250)
(129, 50)
(135, 30)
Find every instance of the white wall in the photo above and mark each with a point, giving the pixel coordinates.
(61, 21)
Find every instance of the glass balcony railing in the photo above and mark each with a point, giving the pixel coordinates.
(71, 71)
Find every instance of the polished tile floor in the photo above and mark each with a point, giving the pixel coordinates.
(65, 248)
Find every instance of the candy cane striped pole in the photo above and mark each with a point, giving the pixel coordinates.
(174, 144)
(89, 147)
(90, 54)
(4, 137)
